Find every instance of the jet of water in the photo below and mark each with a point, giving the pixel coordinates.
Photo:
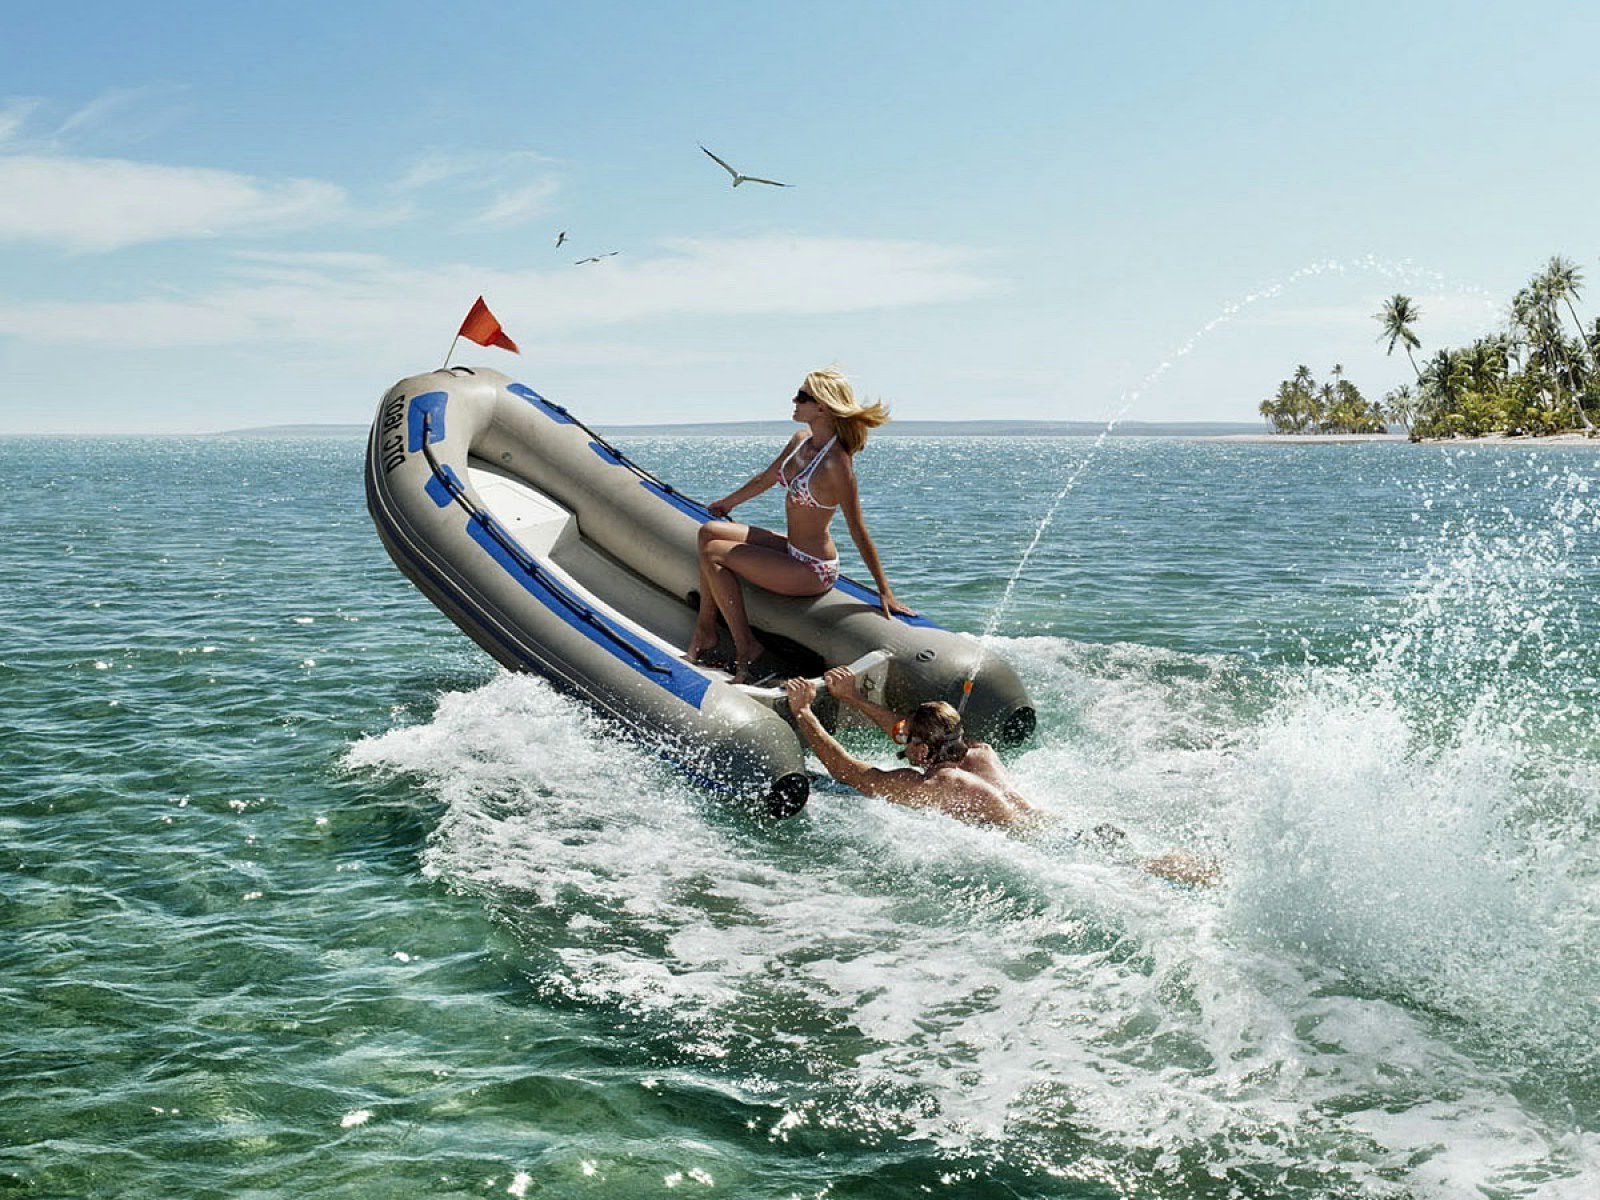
(1403, 271)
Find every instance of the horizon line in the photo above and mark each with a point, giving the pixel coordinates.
(926, 427)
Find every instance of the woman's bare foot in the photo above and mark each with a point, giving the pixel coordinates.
(745, 660)
(701, 644)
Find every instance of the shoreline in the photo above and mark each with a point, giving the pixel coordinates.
(1175, 431)
(1327, 439)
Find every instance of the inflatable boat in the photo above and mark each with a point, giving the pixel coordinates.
(559, 555)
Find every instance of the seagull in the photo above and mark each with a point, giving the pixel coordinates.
(738, 178)
(560, 237)
(595, 257)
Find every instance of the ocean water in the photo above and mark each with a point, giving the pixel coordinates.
(301, 895)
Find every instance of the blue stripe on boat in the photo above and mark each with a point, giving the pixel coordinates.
(671, 673)
(682, 503)
(554, 411)
(647, 736)
(441, 491)
(428, 407)
(867, 596)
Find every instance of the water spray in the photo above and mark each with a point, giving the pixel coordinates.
(1403, 271)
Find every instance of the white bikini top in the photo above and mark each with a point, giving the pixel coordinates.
(799, 488)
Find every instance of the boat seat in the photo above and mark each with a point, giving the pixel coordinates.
(535, 520)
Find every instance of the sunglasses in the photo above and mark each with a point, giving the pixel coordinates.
(804, 397)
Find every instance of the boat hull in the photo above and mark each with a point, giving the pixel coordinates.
(558, 555)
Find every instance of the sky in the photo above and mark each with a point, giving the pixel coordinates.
(215, 218)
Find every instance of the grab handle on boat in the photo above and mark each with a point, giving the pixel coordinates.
(861, 666)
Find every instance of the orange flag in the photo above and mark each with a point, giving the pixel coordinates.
(483, 327)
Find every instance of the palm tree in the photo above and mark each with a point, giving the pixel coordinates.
(1520, 322)
(1538, 327)
(1542, 317)
(1279, 410)
(1485, 364)
(1563, 282)
(1303, 390)
(1400, 406)
(1441, 382)
(1399, 313)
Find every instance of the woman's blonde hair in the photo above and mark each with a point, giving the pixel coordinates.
(851, 420)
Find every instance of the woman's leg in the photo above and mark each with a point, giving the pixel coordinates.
(763, 559)
(704, 637)
(705, 620)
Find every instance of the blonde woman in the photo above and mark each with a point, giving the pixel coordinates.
(817, 471)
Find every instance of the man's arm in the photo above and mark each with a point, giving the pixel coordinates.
(842, 685)
(899, 786)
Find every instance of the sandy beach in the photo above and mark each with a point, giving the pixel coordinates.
(1490, 439)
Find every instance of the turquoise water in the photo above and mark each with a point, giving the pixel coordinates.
(299, 895)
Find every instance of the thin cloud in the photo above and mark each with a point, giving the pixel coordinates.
(101, 204)
(513, 196)
(518, 206)
(122, 114)
(485, 168)
(312, 270)
(127, 110)
(774, 274)
(14, 115)
(330, 260)
(340, 299)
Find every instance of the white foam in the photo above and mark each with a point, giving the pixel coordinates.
(898, 974)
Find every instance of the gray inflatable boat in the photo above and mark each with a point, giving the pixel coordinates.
(558, 555)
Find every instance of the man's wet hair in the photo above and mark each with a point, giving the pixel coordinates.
(938, 727)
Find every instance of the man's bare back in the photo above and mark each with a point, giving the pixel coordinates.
(977, 789)
(982, 761)
(952, 788)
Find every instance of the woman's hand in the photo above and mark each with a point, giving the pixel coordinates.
(719, 508)
(891, 606)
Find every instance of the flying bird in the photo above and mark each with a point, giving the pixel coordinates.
(737, 177)
(560, 237)
(595, 257)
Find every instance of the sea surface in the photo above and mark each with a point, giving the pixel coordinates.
(300, 895)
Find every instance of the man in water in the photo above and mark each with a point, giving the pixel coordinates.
(965, 780)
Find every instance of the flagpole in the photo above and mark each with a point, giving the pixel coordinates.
(451, 351)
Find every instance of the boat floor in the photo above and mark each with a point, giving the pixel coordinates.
(549, 532)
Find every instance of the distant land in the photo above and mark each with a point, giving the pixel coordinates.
(776, 429)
